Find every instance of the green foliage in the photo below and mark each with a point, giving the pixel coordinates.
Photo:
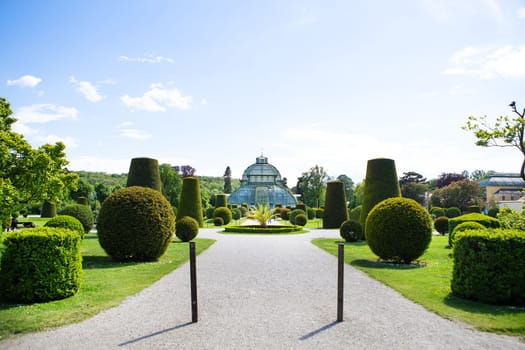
(311, 186)
(68, 222)
(171, 184)
(441, 224)
(218, 221)
(190, 203)
(355, 213)
(209, 212)
(485, 220)
(348, 185)
(437, 212)
(82, 213)
(335, 211)
(380, 183)
(49, 210)
(300, 220)
(464, 226)
(82, 200)
(285, 213)
(186, 228)
(40, 264)
(144, 172)
(220, 200)
(262, 213)
(462, 194)
(301, 206)
(236, 213)
(293, 215)
(452, 212)
(135, 224)
(511, 219)
(398, 229)
(474, 209)
(224, 213)
(351, 231)
(212, 185)
(493, 212)
(311, 213)
(257, 229)
(489, 266)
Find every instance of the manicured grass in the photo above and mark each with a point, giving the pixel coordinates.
(429, 285)
(105, 285)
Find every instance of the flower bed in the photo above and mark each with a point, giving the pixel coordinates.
(272, 229)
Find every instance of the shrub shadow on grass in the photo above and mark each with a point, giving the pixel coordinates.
(386, 265)
(103, 262)
(481, 308)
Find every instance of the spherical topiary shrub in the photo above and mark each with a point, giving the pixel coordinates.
(355, 213)
(294, 213)
(301, 206)
(493, 212)
(40, 264)
(319, 212)
(351, 231)
(311, 213)
(224, 213)
(135, 224)
(190, 199)
(285, 213)
(221, 200)
(381, 182)
(144, 172)
(236, 213)
(437, 212)
(452, 212)
(398, 229)
(82, 212)
(218, 221)
(301, 220)
(66, 221)
(49, 210)
(209, 212)
(335, 212)
(186, 228)
(484, 220)
(464, 226)
(441, 224)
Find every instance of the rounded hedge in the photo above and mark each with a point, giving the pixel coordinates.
(355, 213)
(135, 224)
(300, 220)
(81, 212)
(224, 213)
(221, 200)
(186, 228)
(49, 210)
(351, 231)
(285, 213)
(218, 221)
(209, 212)
(437, 212)
(236, 213)
(493, 212)
(485, 220)
(294, 214)
(464, 226)
(41, 264)
(66, 221)
(441, 224)
(311, 213)
(144, 172)
(398, 229)
(335, 211)
(452, 212)
(319, 213)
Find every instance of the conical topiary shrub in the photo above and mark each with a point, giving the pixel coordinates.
(49, 210)
(380, 183)
(144, 172)
(190, 203)
(335, 212)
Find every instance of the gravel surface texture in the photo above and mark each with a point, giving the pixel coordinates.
(265, 292)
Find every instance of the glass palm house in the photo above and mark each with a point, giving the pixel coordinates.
(261, 183)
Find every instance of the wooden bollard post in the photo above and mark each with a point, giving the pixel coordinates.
(193, 282)
(340, 280)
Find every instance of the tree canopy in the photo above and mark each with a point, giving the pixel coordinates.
(27, 173)
(312, 186)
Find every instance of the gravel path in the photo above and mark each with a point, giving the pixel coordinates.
(265, 292)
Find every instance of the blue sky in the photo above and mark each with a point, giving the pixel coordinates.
(215, 83)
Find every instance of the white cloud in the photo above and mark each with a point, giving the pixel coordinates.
(25, 81)
(98, 163)
(88, 90)
(69, 141)
(521, 12)
(146, 59)
(43, 113)
(158, 99)
(488, 63)
(126, 129)
(444, 10)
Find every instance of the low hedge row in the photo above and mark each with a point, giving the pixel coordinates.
(489, 266)
(487, 221)
(259, 229)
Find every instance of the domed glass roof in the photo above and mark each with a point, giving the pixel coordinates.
(261, 183)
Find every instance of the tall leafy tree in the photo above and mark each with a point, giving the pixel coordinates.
(461, 194)
(28, 174)
(478, 175)
(348, 186)
(171, 183)
(227, 180)
(506, 132)
(446, 179)
(413, 185)
(312, 185)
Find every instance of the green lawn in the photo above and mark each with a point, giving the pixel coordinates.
(429, 286)
(105, 285)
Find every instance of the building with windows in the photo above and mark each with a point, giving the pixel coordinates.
(262, 183)
(504, 190)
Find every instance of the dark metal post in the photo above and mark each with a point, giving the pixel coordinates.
(193, 281)
(340, 279)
